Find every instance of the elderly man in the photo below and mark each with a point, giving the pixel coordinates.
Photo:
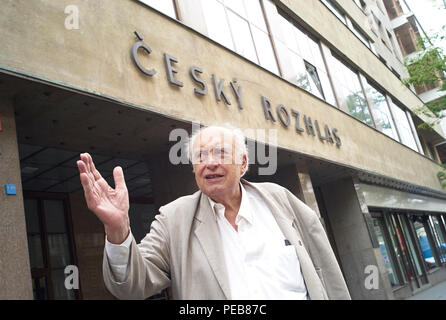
(230, 240)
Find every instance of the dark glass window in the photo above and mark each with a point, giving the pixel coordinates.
(385, 247)
(50, 247)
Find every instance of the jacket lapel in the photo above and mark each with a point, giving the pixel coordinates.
(288, 226)
(208, 235)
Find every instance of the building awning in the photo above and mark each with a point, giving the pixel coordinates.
(381, 197)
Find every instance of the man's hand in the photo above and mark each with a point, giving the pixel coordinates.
(110, 205)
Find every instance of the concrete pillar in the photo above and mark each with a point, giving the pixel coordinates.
(170, 181)
(355, 240)
(15, 272)
(296, 178)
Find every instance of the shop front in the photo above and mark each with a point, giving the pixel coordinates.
(411, 235)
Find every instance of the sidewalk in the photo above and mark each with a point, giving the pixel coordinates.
(437, 292)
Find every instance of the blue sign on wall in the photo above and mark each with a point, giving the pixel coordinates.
(11, 189)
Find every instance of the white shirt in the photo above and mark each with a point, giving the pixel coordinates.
(260, 265)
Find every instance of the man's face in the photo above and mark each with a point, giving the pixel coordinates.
(217, 167)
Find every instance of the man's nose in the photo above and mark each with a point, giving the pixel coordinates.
(212, 160)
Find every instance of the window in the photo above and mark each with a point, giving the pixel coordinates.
(437, 228)
(360, 4)
(240, 26)
(49, 246)
(399, 245)
(315, 82)
(392, 43)
(299, 55)
(335, 9)
(432, 153)
(422, 236)
(410, 245)
(349, 91)
(217, 23)
(403, 125)
(385, 248)
(393, 8)
(381, 111)
(341, 16)
(165, 6)
(361, 35)
(241, 35)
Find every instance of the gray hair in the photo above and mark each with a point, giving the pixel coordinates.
(239, 139)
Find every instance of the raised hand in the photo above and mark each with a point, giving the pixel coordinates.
(110, 205)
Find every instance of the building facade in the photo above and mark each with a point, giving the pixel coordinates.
(314, 85)
(408, 32)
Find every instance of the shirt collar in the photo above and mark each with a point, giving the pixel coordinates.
(244, 212)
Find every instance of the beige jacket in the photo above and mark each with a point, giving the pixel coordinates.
(183, 250)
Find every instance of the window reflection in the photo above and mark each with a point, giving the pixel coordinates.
(411, 246)
(381, 111)
(264, 50)
(336, 11)
(299, 55)
(361, 36)
(293, 68)
(217, 24)
(164, 6)
(426, 249)
(243, 41)
(236, 5)
(315, 82)
(403, 126)
(240, 25)
(350, 94)
(384, 248)
(395, 247)
(255, 14)
(438, 237)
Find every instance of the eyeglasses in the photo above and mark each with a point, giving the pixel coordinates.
(219, 155)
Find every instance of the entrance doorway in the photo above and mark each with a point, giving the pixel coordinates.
(53, 127)
(50, 245)
(400, 247)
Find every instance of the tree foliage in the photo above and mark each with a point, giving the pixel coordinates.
(428, 67)
(442, 176)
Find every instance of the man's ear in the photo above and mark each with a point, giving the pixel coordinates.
(244, 165)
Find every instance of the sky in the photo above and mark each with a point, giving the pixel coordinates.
(431, 14)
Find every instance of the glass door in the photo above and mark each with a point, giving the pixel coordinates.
(399, 247)
(426, 248)
(413, 252)
(50, 246)
(385, 247)
(439, 237)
